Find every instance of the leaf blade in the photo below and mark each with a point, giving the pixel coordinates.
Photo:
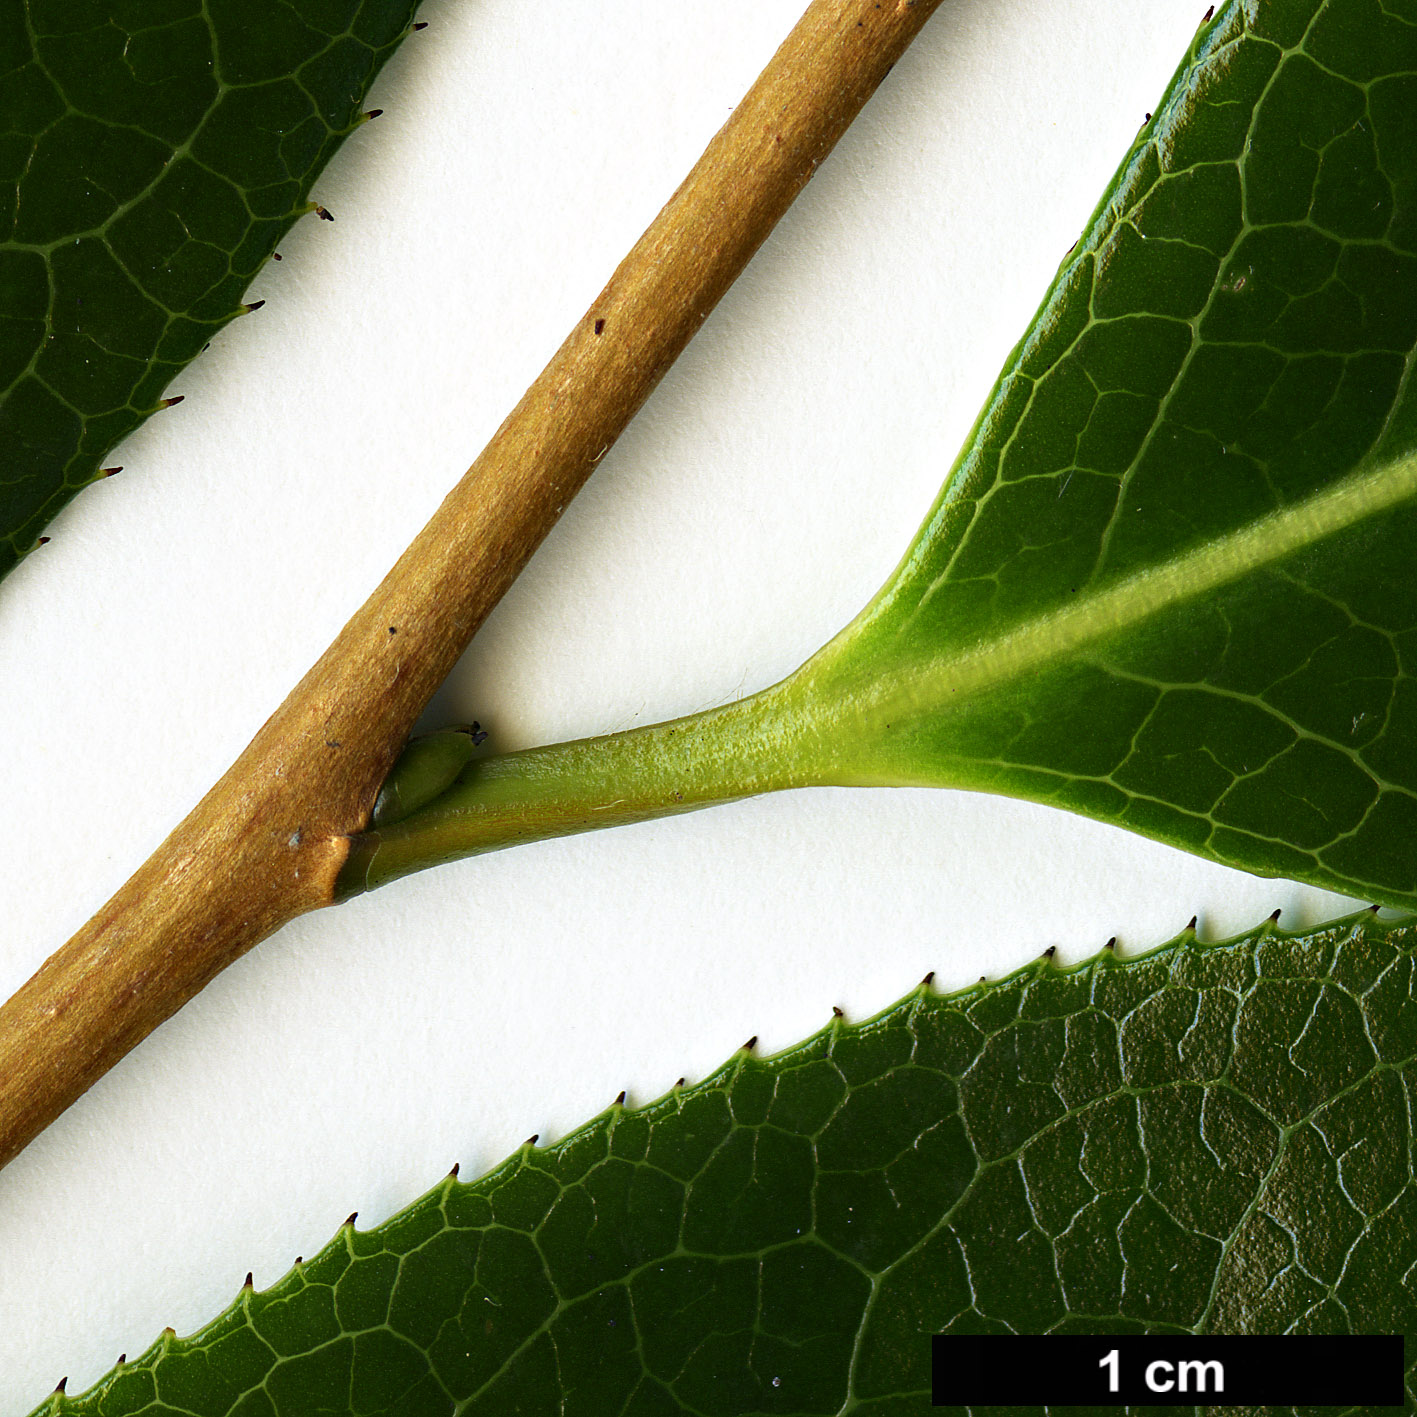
(153, 157)
(1206, 433)
(1198, 1140)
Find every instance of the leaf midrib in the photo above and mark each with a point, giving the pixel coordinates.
(1095, 615)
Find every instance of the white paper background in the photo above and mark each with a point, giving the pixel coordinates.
(758, 501)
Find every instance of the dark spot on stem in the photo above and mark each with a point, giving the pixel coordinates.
(600, 327)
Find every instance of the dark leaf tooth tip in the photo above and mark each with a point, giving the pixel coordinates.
(1049, 952)
(122, 1358)
(750, 1044)
(109, 471)
(353, 1216)
(1274, 917)
(929, 979)
(250, 1278)
(60, 1385)
(173, 401)
(453, 1173)
(680, 1083)
(169, 1332)
(1195, 921)
(373, 113)
(620, 1100)
(1373, 909)
(838, 1013)
(276, 256)
(1209, 14)
(44, 541)
(532, 1139)
(253, 305)
(1111, 944)
(421, 25)
(322, 213)
(300, 1259)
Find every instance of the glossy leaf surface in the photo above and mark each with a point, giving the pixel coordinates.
(1168, 584)
(152, 153)
(1211, 1138)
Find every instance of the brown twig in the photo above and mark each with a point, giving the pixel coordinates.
(267, 842)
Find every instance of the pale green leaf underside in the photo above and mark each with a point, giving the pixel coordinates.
(1212, 1138)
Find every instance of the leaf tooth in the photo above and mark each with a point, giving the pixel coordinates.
(838, 1012)
(679, 1084)
(620, 1100)
(928, 981)
(59, 1386)
(750, 1044)
(1111, 944)
(250, 1277)
(532, 1139)
(453, 1174)
(348, 1224)
(249, 307)
(421, 25)
(372, 114)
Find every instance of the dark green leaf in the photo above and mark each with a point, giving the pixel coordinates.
(1168, 582)
(1210, 1138)
(151, 156)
